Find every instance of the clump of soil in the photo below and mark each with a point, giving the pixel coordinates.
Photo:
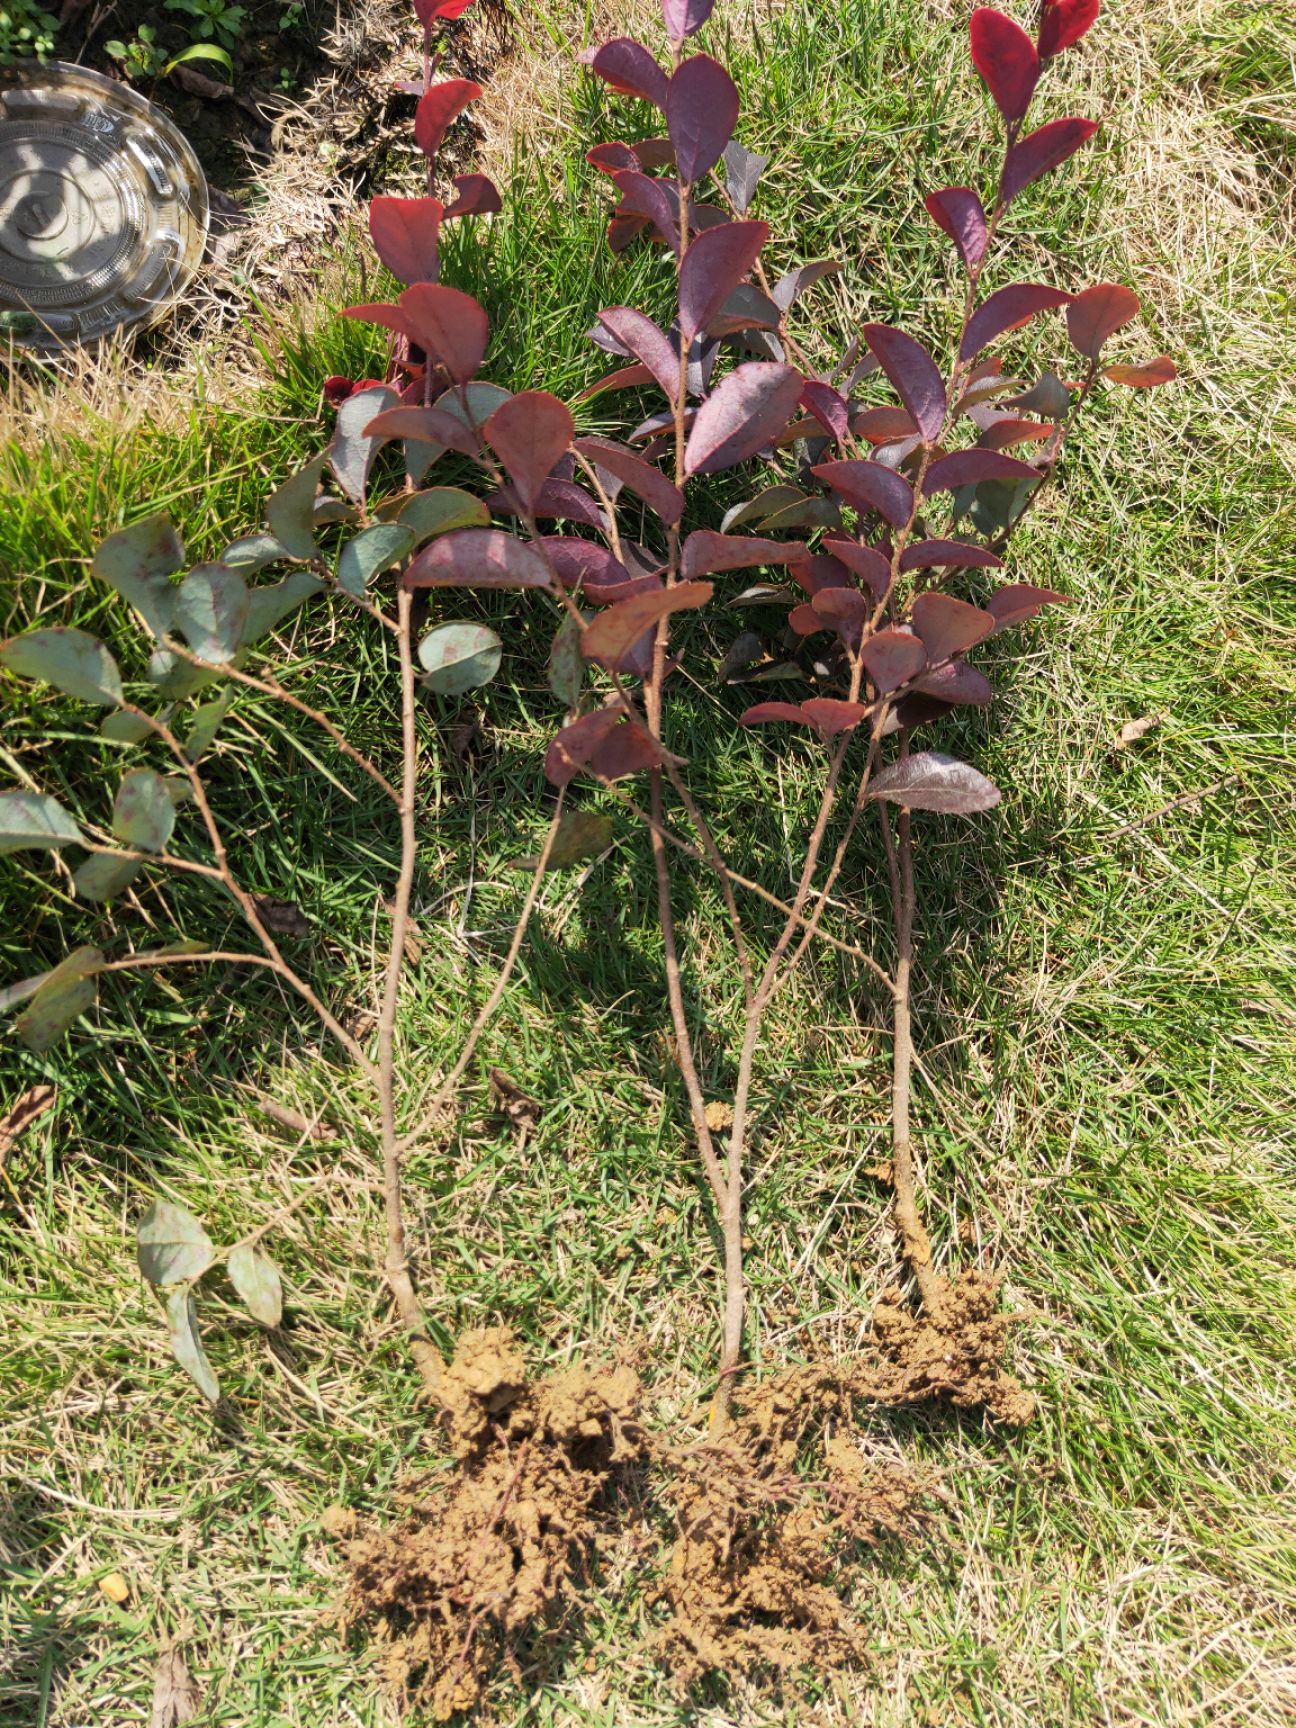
(500, 1549)
(771, 1514)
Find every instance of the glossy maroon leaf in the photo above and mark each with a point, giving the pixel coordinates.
(628, 68)
(529, 433)
(621, 626)
(625, 378)
(1006, 430)
(423, 426)
(429, 11)
(449, 325)
(819, 572)
(477, 196)
(968, 467)
(958, 684)
(745, 308)
(713, 266)
(405, 233)
(685, 17)
(581, 562)
(706, 552)
(829, 715)
(606, 742)
(765, 712)
(654, 153)
(701, 112)
(805, 621)
(641, 477)
(1019, 601)
(1008, 309)
(441, 105)
(1063, 23)
(1144, 377)
(892, 658)
(1005, 57)
(866, 562)
(845, 609)
(1041, 151)
(557, 500)
(929, 780)
(955, 554)
(639, 336)
(612, 158)
(622, 231)
(383, 313)
(477, 558)
(628, 749)
(948, 626)
(829, 408)
(957, 210)
(745, 411)
(1098, 313)
(651, 201)
(914, 376)
(882, 425)
(870, 486)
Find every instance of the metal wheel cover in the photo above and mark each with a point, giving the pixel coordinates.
(103, 208)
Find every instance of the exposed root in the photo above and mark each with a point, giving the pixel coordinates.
(499, 1550)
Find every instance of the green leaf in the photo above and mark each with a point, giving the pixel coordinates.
(62, 998)
(290, 512)
(171, 1245)
(764, 504)
(373, 550)
(326, 510)
(127, 728)
(459, 657)
(567, 663)
(253, 552)
(201, 51)
(205, 725)
(105, 874)
(176, 677)
(482, 401)
(351, 454)
(71, 660)
(144, 813)
(186, 1345)
(256, 1278)
(212, 611)
(436, 511)
(32, 821)
(580, 835)
(137, 562)
(270, 605)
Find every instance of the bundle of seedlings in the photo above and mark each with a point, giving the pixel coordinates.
(875, 536)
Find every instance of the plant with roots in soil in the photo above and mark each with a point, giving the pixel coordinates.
(874, 522)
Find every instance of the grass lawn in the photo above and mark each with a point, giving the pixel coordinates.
(1104, 1008)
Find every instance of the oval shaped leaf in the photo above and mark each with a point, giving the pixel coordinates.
(948, 626)
(530, 433)
(438, 108)
(269, 605)
(137, 562)
(1144, 377)
(1007, 309)
(969, 467)
(745, 411)
(638, 335)
(477, 558)
(1005, 57)
(373, 550)
(449, 325)
(256, 1278)
(143, 814)
(914, 376)
(103, 875)
(352, 451)
(1018, 601)
(291, 511)
(641, 477)
(406, 233)
(716, 261)
(701, 112)
(618, 629)
(957, 211)
(892, 658)
(705, 552)
(70, 660)
(440, 510)
(459, 657)
(212, 607)
(31, 821)
(952, 554)
(1098, 313)
(1063, 23)
(931, 780)
(172, 1246)
(1041, 151)
(628, 68)
(62, 997)
(580, 835)
(870, 486)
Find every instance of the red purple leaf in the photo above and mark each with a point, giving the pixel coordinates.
(477, 196)
(957, 210)
(529, 433)
(1008, 309)
(405, 233)
(870, 486)
(882, 425)
(959, 684)
(805, 621)
(441, 105)
(685, 17)
(1006, 430)
(625, 378)
(651, 201)
(1144, 377)
(1041, 151)
(829, 715)
(612, 158)
(956, 554)
(968, 467)
(1005, 57)
(477, 558)
(829, 408)
(607, 742)
(621, 626)
(600, 593)
(713, 266)
(1098, 313)
(1063, 23)
(557, 500)
(1020, 601)
(701, 112)
(429, 11)
(706, 552)
(745, 411)
(866, 562)
(639, 336)
(764, 712)
(423, 426)
(929, 780)
(449, 325)
(892, 658)
(914, 376)
(628, 68)
(949, 626)
(641, 477)
(578, 562)
(845, 609)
